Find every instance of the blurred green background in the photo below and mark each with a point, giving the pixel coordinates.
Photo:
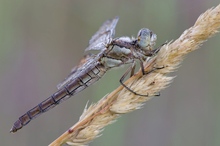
(40, 41)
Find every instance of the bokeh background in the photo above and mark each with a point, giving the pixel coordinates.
(40, 41)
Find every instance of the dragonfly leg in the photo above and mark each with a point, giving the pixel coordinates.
(130, 69)
(142, 66)
(152, 53)
(154, 69)
(144, 72)
(155, 51)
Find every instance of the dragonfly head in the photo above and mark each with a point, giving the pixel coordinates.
(146, 39)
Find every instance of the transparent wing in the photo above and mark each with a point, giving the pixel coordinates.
(107, 29)
(84, 62)
(103, 36)
(98, 42)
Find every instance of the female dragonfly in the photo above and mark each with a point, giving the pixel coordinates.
(111, 53)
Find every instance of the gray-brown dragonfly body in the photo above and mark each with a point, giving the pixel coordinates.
(112, 53)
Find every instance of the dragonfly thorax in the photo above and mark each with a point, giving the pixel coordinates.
(118, 55)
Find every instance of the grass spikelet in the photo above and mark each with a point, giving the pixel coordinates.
(109, 108)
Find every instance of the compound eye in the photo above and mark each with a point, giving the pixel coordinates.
(153, 37)
(146, 38)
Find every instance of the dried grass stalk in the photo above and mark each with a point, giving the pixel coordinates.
(97, 116)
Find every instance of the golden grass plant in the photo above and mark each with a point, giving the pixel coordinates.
(121, 101)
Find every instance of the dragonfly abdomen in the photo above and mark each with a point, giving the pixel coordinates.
(76, 85)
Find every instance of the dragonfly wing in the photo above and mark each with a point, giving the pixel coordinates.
(76, 70)
(98, 42)
(104, 35)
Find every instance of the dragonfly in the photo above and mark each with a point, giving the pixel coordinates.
(112, 52)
